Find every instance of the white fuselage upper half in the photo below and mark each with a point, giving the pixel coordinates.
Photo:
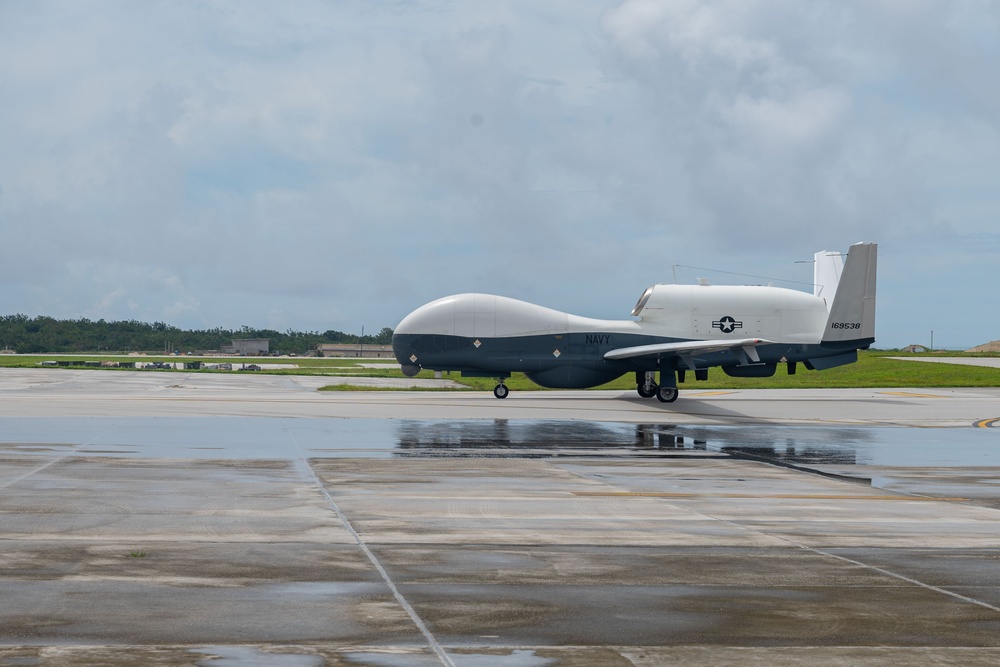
(686, 312)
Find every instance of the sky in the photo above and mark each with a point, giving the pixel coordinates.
(317, 165)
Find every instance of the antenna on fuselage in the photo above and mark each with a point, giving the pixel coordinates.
(745, 275)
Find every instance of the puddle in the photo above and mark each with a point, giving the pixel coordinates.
(249, 656)
(516, 658)
(280, 438)
(882, 456)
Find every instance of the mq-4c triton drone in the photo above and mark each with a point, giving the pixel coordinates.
(747, 330)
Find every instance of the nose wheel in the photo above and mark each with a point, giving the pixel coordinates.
(501, 390)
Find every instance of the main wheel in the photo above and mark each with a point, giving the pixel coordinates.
(646, 393)
(501, 391)
(667, 394)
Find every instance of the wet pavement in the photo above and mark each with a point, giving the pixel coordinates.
(147, 394)
(941, 461)
(208, 539)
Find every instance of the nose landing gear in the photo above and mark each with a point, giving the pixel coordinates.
(501, 390)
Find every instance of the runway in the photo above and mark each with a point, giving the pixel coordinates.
(58, 392)
(175, 518)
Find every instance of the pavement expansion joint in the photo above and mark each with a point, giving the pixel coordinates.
(435, 646)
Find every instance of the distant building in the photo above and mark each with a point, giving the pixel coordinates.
(367, 350)
(248, 347)
(916, 348)
(993, 346)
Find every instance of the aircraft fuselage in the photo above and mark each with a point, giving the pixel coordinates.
(746, 330)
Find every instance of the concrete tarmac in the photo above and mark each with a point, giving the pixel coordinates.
(58, 392)
(191, 519)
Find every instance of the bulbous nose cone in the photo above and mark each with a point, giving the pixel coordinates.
(436, 317)
(418, 337)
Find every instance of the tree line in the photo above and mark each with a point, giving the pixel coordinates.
(46, 334)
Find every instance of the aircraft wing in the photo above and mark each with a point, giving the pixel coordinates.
(687, 348)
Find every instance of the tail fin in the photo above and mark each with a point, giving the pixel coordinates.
(827, 268)
(852, 313)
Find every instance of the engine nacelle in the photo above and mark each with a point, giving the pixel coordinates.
(750, 370)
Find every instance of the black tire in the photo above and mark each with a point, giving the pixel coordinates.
(646, 394)
(501, 391)
(667, 394)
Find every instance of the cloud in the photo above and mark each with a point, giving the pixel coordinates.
(804, 119)
(230, 164)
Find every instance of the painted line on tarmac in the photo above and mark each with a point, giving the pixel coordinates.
(801, 544)
(57, 459)
(987, 423)
(910, 394)
(817, 550)
(779, 496)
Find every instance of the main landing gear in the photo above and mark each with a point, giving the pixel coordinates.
(666, 392)
(501, 390)
(646, 384)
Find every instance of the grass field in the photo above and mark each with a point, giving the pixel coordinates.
(306, 365)
(874, 369)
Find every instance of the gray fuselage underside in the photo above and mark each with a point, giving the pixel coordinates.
(576, 360)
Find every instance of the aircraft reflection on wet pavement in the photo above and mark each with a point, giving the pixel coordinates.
(540, 439)
(279, 438)
(524, 439)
